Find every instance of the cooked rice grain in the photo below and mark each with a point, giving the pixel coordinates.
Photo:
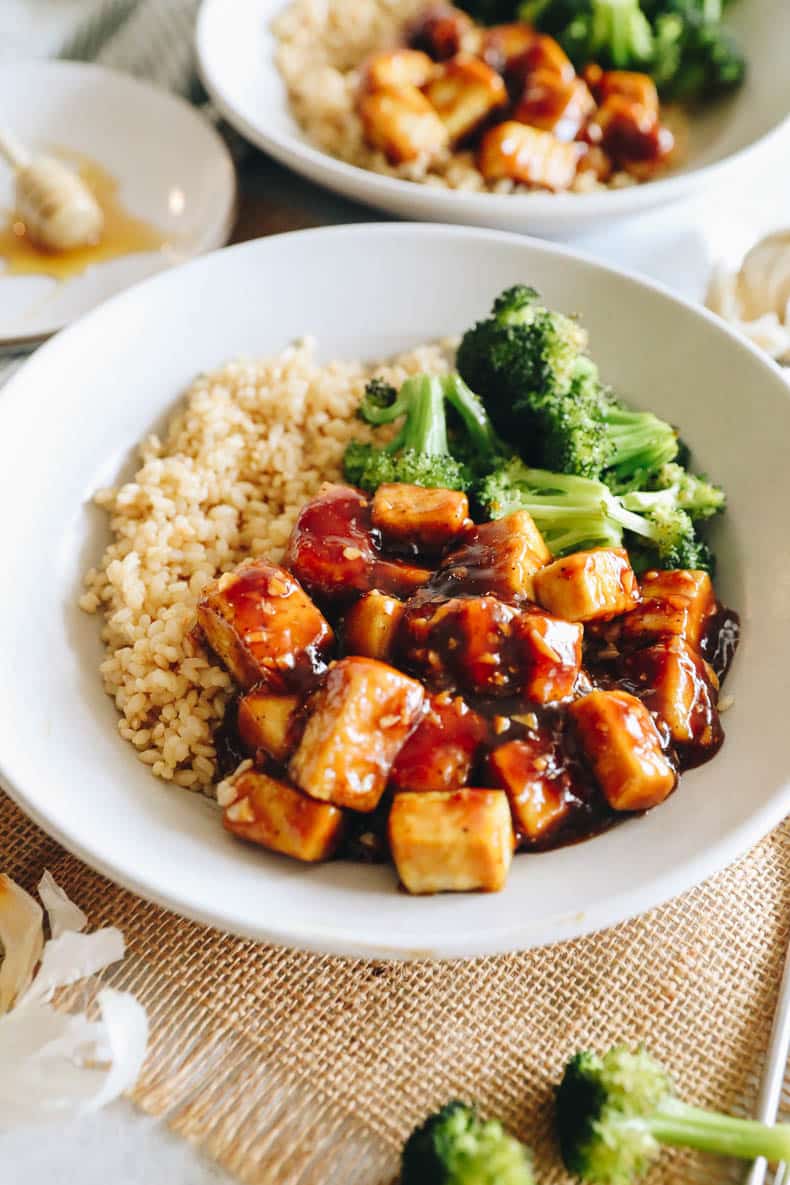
(251, 443)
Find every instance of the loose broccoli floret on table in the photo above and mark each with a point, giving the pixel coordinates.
(456, 1147)
(613, 1113)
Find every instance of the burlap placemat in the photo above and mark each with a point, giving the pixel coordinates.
(296, 1069)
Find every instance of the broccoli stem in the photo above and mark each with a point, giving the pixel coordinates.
(473, 414)
(641, 441)
(679, 1124)
(425, 429)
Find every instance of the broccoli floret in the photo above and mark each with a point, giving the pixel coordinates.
(614, 33)
(699, 497)
(613, 1113)
(572, 513)
(420, 452)
(694, 56)
(456, 1147)
(640, 444)
(522, 349)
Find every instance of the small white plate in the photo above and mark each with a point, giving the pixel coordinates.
(70, 421)
(173, 169)
(236, 58)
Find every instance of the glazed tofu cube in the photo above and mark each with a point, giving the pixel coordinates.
(331, 546)
(440, 752)
(441, 31)
(588, 585)
(622, 744)
(638, 88)
(543, 53)
(370, 625)
(399, 577)
(263, 626)
(633, 136)
(464, 93)
(396, 68)
(555, 105)
(502, 44)
(463, 641)
(490, 648)
(515, 152)
(401, 122)
(276, 816)
(451, 841)
(267, 722)
(536, 786)
(428, 518)
(500, 557)
(550, 655)
(357, 725)
(677, 603)
(673, 681)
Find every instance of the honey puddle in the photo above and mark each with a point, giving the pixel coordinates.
(123, 233)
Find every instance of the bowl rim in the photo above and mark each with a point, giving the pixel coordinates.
(339, 939)
(313, 162)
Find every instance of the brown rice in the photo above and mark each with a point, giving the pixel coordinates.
(251, 443)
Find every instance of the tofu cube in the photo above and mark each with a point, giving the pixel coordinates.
(555, 105)
(402, 123)
(441, 30)
(588, 585)
(513, 151)
(637, 88)
(440, 752)
(266, 721)
(331, 546)
(399, 577)
(502, 44)
(500, 557)
(673, 681)
(396, 68)
(451, 841)
(464, 93)
(674, 604)
(488, 647)
(623, 746)
(370, 625)
(427, 518)
(277, 816)
(263, 626)
(536, 786)
(632, 135)
(542, 53)
(357, 725)
(550, 655)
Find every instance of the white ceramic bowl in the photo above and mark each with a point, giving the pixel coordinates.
(172, 167)
(69, 422)
(236, 56)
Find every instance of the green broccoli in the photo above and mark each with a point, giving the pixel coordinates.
(572, 513)
(680, 43)
(694, 56)
(522, 348)
(420, 453)
(640, 444)
(672, 485)
(613, 1113)
(539, 386)
(455, 1147)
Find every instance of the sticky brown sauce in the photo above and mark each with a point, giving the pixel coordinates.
(123, 233)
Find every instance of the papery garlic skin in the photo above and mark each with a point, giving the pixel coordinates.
(57, 1065)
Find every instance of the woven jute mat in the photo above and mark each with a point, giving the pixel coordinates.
(298, 1069)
